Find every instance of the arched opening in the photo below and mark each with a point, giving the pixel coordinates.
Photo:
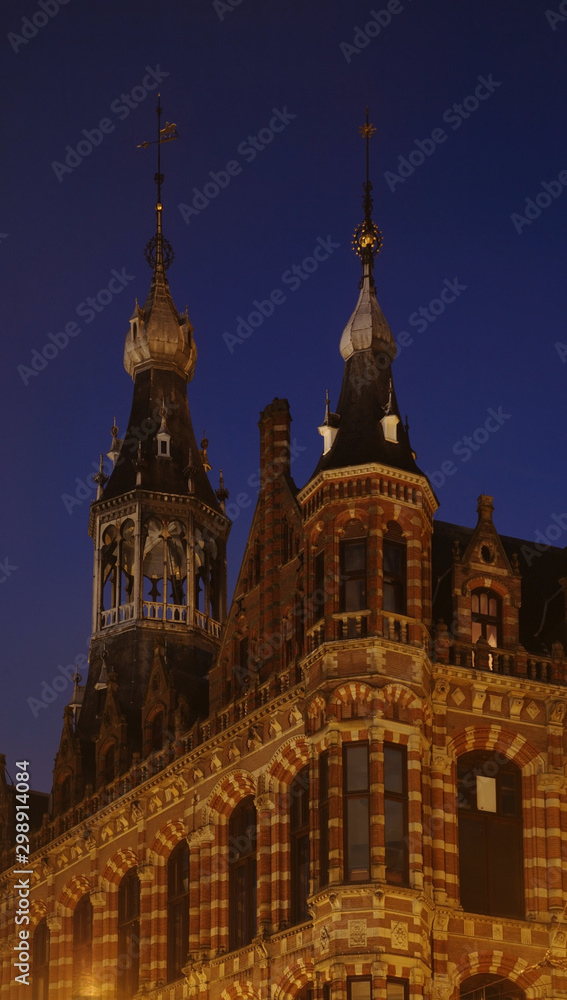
(242, 873)
(394, 552)
(128, 957)
(82, 948)
(108, 583)
(177, 911)
(486, 987)
(127, 563)
(299, 846)
(40, 958)
(490, 834)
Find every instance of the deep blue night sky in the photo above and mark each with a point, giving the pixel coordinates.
(456, 220)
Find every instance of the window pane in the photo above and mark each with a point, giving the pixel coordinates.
(394, 834)
(473, 874)
(354, 556)
(395, 991)
(360, 989)
(394, 769)
(357, 830)
(393, 561)
(356, 768)
(354, 595)
(483, 604)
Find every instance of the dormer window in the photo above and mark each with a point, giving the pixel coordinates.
(390, 427)
(486, 608)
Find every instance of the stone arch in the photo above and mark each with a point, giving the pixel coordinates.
(357, 691)
(497, 963)
(38, 910)
(72, 892)
(402, 697)
(119, 864)
(167, 838)
(240, 991)
(294, 979)
(229, 791)
(316, 713)
(289, 759)
(476, 581)
(509, 742)
(353, 513)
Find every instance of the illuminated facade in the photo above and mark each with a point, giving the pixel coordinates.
(352, 785)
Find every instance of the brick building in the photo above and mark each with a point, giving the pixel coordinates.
(351, 785)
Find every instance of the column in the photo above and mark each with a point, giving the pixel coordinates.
(146, 875)
(265, 807)
(335, 808)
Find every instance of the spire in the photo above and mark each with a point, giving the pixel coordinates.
(367, 327)
(367, 426)
(159, 336)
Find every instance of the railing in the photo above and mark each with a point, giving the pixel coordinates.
(396, 628)
(209, 625)
(475, 656)
(114, 616)
(352, 624)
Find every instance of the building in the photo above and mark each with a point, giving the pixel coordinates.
(351, 785)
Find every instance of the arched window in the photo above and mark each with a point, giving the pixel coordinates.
(490, 835)
(65, 793)
(394, 569)
(486, 608)
(486, 987)
(177, 911)
(40, 958)
(299, 835)
(82, 948)
(242, 873)
(109, 765)
(128, 934)
(157, 732)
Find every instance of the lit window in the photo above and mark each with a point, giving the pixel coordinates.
(490, 835)
(395, 814)
(356, 811)
(82, 947)
(128, 935)
(242, 874)
(486, 616)
(177, 911)
(299, 834)
(40, 957)
(353, 575)
(487, 987)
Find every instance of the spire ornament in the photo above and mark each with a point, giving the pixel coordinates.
(159, 252)
(367, 238)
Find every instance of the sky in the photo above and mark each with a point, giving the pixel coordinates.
(469, 167)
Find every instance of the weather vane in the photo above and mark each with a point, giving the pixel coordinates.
(159, 252)
(367, 238)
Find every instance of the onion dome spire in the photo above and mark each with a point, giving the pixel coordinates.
(159, 336)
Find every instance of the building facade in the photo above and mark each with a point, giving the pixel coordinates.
(349, 786)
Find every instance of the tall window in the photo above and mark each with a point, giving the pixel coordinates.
(359, 988)
(177, 911)
(324, 818)
(356, 812)
(319, 588)
(486, 616)
(395, 814)
(128, 934)
(242, 873)
(40, 957)
(396, 989)
(490, 835)
(394, 574)
(299, 833)
(82, 947)
(353, 574)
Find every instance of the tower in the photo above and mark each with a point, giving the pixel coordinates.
(159, 533)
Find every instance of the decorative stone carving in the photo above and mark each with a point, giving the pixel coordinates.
(357, 934)
(400, 936)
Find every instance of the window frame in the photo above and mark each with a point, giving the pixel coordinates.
(398, 797)
(82, 940)
(396, 581)
(299, 846)
(348, 577)
(487, 621)
(177, 912)
(128, 976)
(40, 960)
(242, 876)
(352, 795)
(324, 811)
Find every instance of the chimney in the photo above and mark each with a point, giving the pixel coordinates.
(274, 427)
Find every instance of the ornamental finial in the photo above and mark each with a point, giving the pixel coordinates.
(367, 238)
(159, 252)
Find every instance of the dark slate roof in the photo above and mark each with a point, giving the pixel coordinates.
(151, 387)
(367, 394)
(543, 614)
